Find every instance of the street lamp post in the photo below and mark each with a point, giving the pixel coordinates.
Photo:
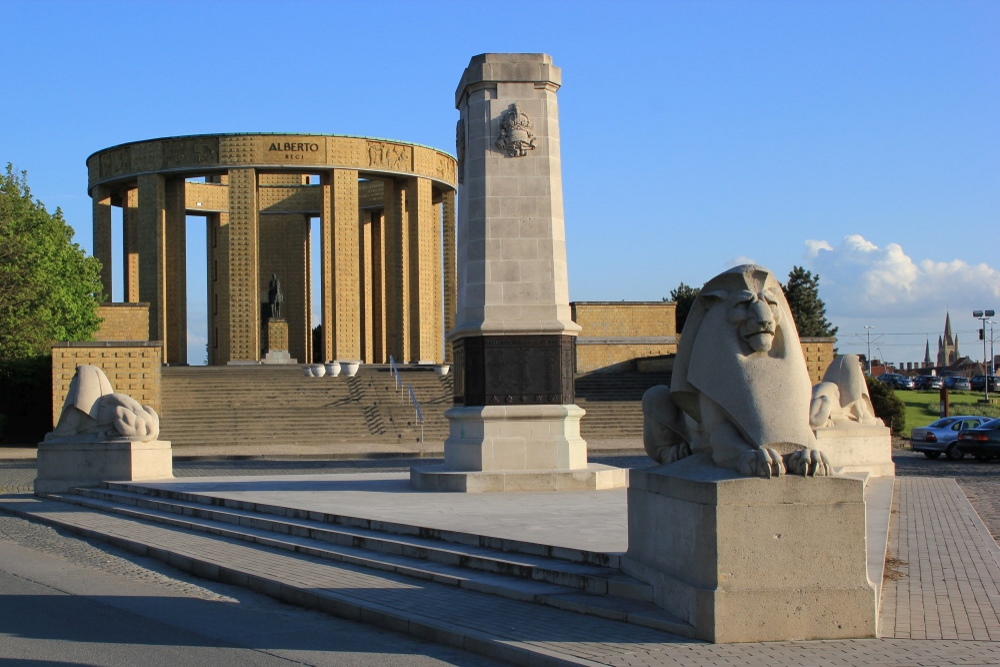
(993, 356)
(869, 331)
(983, 316)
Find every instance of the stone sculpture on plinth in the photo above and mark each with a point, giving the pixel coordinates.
(515, 425)
(101, 435)
(276, 335)
(843, 419)
(743, 532)
(740, 390)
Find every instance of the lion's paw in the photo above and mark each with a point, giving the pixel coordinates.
(763, 462)
(675, 453)
(809, 463)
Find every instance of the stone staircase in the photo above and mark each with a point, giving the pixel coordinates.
(563, 578)
(261, 405)
(613, 402)
(277, 405)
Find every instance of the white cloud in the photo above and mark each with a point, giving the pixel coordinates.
(904, 298)
(867, 279)
(813, 248)
(740, 260)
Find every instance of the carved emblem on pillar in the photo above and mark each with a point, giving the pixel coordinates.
(516, 137)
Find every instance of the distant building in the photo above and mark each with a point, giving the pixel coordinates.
(947, 345)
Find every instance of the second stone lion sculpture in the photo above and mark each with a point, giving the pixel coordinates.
(740, 389)
(93, 411)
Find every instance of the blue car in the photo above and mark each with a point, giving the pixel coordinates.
(982, 442)
(940, 437)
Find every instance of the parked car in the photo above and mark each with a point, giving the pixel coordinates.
(941, 437)
(896, 380)
(928, 382)
(978, 383)
(957, 383)
(982, 442)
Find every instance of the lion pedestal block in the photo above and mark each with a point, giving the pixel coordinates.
(747, 559)
(64, 465)
(865, 448)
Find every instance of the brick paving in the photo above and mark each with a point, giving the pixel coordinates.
(950, 567)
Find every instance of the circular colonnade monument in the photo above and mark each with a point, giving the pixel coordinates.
(387, 235)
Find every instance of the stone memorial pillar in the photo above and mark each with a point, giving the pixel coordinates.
(514, 425)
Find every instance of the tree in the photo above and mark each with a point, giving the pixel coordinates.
(684, 297)
(49, 288)
(808, 310)
(888, 407)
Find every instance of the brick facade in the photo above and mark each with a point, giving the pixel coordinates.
(616, 333)
(132, 367)
(819, 354)
(123, 321)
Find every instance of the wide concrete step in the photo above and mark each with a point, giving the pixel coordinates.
(515, 631)
(569, 579)
(351, 540)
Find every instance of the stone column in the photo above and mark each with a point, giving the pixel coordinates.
(340, 270)
(217, 225)
(244, 304)
(102, 236)
(515, 425)
(448, 232)
(175, 271)
(364, 257)
(424, 277)
(397, 289)
(378, 301)
(151, 224)
(130, 245)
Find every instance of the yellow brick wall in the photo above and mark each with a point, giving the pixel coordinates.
(123, 321)
(819, 354)
(625, 318)
(133, 368)
(616, 333)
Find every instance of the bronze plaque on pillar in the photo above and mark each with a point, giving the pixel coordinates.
(514, 370)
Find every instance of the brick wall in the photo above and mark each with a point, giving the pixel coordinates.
(616, 333)
(819, 355)
(123, 321)
(132, 367)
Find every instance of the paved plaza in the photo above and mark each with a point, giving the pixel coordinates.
(941, 596)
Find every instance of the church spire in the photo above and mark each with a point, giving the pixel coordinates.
(927, 354)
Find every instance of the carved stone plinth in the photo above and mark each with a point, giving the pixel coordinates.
(64, 465)
(749, 559)
(276, 345)
(515, 425)
(858, 448)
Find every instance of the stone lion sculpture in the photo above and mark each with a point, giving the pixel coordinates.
(740, 389)
(842, 398)
(93, 411)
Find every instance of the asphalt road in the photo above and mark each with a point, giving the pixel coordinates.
(66, 601)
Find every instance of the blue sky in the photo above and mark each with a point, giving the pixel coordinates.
(858, 139)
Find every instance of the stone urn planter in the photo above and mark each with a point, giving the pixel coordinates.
(307, 371)
(318, 370)
(350, 368)
(332, 368)
(442, 369)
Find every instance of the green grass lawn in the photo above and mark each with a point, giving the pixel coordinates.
(922, 406)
